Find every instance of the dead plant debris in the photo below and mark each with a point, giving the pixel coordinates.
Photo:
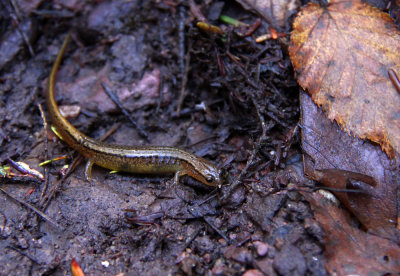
(342, 54)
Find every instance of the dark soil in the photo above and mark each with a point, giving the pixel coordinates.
(148, 52)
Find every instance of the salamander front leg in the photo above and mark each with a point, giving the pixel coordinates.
(174, 189)
(88, 170)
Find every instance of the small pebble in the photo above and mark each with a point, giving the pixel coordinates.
(105, 263)
(207, 258)
(262, 248)
(253, 272)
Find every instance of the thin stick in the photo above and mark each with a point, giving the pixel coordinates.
(217, 230)
(256, 149)
(46, 153)
(37, 211)
(395, 80)
(192, 237)
(22, 33)
(23, 254)
(4, 222)
(191, 211)
(115, 99)
(184, 59)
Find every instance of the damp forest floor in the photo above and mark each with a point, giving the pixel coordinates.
(223, 97)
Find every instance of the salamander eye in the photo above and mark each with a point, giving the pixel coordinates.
(210, 178)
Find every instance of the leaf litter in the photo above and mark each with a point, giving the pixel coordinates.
(192, 237)
(342, 54)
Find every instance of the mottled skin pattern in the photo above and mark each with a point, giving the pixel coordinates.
(148, 160)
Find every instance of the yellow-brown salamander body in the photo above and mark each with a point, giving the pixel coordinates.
(147, 160)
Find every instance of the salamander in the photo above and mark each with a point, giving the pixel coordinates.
(132, 159)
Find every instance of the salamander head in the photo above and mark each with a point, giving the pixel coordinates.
(208, 174)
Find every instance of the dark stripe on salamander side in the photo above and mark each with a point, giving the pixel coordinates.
(87, 145)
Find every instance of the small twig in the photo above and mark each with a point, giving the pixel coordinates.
(289, 139)
(253, 27)
(265, 127)
(45, 200)
(184, 59)
(201, 141)
(193, 213)
(22, 33)
(182, 93)
(261, 52)
(192, 237)
(196, 11)
(24, 179)
(144, 219)
(238, 180)
(110, 132)
(217, 230)
(338, 190)
(220, 63)
(181, 31)
(63, 14)
(4, 222)
(23, 254)
(210, 197)
(160, 95)
(395, 80)
(256, 86)
(40, 213)
(315, 189)
(273, 117)
(46, 153)
(115, 99)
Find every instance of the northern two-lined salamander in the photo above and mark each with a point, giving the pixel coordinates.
(146, 160)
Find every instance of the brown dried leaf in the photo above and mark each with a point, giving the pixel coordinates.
(349, 250)
(335, 159)
(342, 54)
(275, 12)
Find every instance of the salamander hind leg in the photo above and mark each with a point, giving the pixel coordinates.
(178, 174)
(88, 170)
